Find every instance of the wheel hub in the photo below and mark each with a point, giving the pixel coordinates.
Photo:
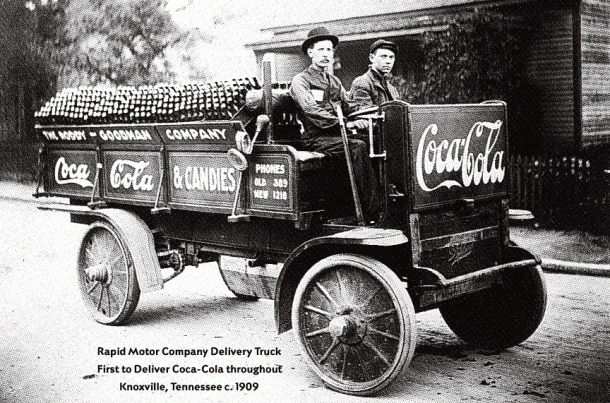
(100, 272)
(349, 326)
(339, 326)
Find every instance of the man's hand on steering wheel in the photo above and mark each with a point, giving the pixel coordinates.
(359, 124)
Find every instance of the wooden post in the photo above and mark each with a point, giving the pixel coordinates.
(268, 99)
(350, 167)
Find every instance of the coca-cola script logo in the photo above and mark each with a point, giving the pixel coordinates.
(129, 174)
(72, 173)
(456, 155)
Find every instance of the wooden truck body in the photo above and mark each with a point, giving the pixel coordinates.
(165, 195)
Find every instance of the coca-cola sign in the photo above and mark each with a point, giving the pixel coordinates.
(457, 156)
(131, 175)
(72, 173)
(458, 152)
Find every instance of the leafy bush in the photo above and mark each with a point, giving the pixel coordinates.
(479, 57)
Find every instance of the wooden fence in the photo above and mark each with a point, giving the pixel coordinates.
(569, 192)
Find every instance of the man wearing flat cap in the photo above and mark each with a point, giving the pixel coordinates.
(316, 90)
(372, 88)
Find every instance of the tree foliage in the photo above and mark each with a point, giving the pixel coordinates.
(480, 56)
(118, 42)
(28, 39)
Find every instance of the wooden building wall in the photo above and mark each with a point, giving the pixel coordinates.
(551, 73)
(595, 51)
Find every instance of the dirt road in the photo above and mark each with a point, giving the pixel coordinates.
(52, 351)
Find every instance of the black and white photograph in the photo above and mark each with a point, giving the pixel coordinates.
(305, 201)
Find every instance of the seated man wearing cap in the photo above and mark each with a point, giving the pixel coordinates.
(316, 90)
(372, 88)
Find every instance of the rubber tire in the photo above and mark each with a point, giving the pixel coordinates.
(503, 316)
(242, 297)
(370, 270)
(124, 284)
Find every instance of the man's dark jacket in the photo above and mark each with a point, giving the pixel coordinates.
(315, 91)
(318, 112)
(368, 90)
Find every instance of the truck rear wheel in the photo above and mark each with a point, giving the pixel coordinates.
(503, 316)
(355, 323)
(229, 284)
(240, 296)
(106, 275)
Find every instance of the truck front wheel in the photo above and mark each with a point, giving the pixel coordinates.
(503, 316)
(354, 322)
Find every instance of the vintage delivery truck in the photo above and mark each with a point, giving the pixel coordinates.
(159, 196)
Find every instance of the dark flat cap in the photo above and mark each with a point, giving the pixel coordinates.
(316, 35)
(383, 44)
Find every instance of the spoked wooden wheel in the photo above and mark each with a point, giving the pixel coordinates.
(355, 323)
(106, 275)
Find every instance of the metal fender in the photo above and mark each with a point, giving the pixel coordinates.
(516, 253)
(355, 240)
(137, 237)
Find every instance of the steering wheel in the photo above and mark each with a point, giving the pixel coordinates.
(362, 113)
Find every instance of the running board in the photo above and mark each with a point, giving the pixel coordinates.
(441, 289)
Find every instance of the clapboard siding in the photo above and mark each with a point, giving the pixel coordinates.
(550, 70)
(595, 44)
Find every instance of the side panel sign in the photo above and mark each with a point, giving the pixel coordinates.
(458, 153)
(112, 134)
(72, 172)
(130, 175)
(219, 133)
(65, 135)
(203, 179)
(124, 134)
(271, 183)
